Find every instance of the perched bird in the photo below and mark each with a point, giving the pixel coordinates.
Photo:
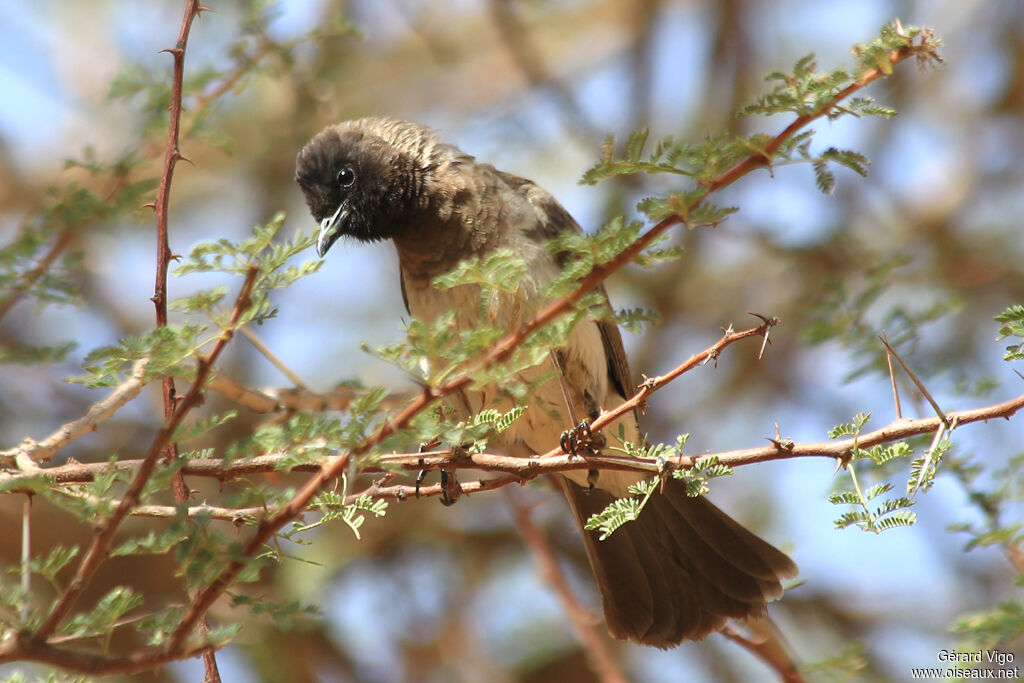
(683, 567)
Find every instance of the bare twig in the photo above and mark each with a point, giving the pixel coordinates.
(255, 340)
(23, 648)
(172, 155)
(293, 399)
(767, 648)
(595, 644)
(44, 450)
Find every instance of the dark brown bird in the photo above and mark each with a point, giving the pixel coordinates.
(683, 567)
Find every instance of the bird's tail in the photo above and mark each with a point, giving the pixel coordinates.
(680, 570)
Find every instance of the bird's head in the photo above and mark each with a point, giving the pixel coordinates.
(365, 178)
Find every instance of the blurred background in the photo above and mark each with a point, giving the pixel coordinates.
(927, 249)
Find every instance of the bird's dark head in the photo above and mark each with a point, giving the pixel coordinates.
(365, 178)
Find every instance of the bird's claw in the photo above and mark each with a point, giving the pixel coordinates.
(581, 437)
(450, 488)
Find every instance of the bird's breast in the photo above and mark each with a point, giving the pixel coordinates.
(574, 374)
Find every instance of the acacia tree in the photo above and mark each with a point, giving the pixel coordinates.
(228, 484)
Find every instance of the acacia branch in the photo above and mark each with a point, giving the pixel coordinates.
(519, 469)
(522, 469)
(172, 154)
(24, 648)
(100, 546)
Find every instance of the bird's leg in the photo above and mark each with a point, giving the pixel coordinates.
(581, 437)
(422, 474)
(451, 490)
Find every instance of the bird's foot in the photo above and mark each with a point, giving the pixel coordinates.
(450, 488)
(582, 438)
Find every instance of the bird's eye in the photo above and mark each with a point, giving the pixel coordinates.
(346, 177)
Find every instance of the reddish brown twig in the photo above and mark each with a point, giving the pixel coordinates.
(768, 648)
(172, 155)
(520, 469)
(595, 644)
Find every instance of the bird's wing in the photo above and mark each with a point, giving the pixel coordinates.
(554, 220)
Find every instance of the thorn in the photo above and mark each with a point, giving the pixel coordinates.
(764, 344)
(892, 378)
(842, 462)
(149, 205)
(203, 8)
(782, 444)
(712, 356)
(182, 157)
(175, 257)
(918, 384)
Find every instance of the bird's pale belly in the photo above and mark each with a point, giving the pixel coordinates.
(582, 366)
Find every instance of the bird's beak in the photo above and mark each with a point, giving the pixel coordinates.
(330, 230)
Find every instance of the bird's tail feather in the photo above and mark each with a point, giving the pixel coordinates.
(680, 570)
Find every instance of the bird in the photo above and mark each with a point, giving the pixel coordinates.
(683, 567)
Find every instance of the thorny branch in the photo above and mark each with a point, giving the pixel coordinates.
(105, 530)
(521, 469)
(172, 155)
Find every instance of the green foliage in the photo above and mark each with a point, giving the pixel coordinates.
(839, 668)
(623, 510)
(633, 319)
(55, 560)
(993, 491)
(154, 543)
(100, 620)
(1012, 326)
(265, 251)
(851, 428)
(988, 629)
(703, 469)
(886, 514)
(158, 625)
(803, 92)
(165, 348)
(854, 319)
(333, 506)
(282, 613)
